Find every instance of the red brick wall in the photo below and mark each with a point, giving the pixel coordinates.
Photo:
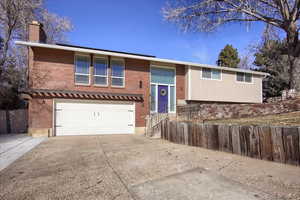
(40, 113)
(180, 82)
(54, 69)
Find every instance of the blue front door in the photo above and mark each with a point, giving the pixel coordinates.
(163, 100)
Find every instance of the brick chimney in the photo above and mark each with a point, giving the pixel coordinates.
(36, 32)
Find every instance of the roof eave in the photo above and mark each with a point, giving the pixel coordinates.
(75, 49)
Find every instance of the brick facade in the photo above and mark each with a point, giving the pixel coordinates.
(180, 82)
(54, 69)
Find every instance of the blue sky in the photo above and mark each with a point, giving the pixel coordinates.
(138, 26)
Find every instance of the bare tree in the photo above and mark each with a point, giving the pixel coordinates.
(14, 18)
(15, 15)
(55, 26)
(208, 15)
(245, 62)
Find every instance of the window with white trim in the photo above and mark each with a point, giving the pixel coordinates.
(243, 77)
(100, 71)
(82, 69)
(213, 74)
(117, 72)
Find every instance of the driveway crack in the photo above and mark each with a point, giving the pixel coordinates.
(115, 171)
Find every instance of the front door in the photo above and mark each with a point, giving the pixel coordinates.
(163, 100)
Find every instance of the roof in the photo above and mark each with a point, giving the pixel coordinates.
(83, 95)
(133, 56)
(122, 52)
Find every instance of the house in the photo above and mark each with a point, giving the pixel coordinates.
(76, 90)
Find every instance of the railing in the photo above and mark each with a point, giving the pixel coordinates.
(153, 124)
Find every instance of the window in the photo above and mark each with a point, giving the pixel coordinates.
(153, 98)
(244, 77)
(100, 71)
(172, 98)
(117, 73)
(162, 75)
(82, 70)
(214, 74)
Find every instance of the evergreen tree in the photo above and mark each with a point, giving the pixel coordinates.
(271, 57)
(228, 57)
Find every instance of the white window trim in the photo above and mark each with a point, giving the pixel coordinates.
(169, 85)
(107, 71)
(211, 79)
(75, 73)
(123, 77)
(155, 85)
(244, 82)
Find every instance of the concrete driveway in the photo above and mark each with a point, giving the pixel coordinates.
(133, 167)
(13, 146)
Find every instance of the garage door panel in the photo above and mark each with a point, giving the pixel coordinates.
(94, 118)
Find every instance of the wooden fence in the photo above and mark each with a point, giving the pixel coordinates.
(13, 121)
(279, 144)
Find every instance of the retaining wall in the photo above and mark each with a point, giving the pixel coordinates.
(192, 112)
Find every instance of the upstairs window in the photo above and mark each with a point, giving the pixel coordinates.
(213, 74)
(82, 69)
(244, 77)
(100, 71)
(117, 73)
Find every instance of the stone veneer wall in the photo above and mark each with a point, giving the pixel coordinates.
(206, 111)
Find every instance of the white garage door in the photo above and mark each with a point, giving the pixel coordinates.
(76, 118)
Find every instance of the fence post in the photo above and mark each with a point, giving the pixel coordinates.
(291, 144)
(180, 138)
(236, 144)
(278, 148)
(225, 141)
(254, 150)
(265, 140)
(245, 140)
(186, 133)
(201, 135)
(211, 134)
(173, 131)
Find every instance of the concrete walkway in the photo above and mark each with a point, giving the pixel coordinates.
(130, 167)
(13, 146)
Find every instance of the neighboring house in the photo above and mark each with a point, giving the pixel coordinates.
(80, 91)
